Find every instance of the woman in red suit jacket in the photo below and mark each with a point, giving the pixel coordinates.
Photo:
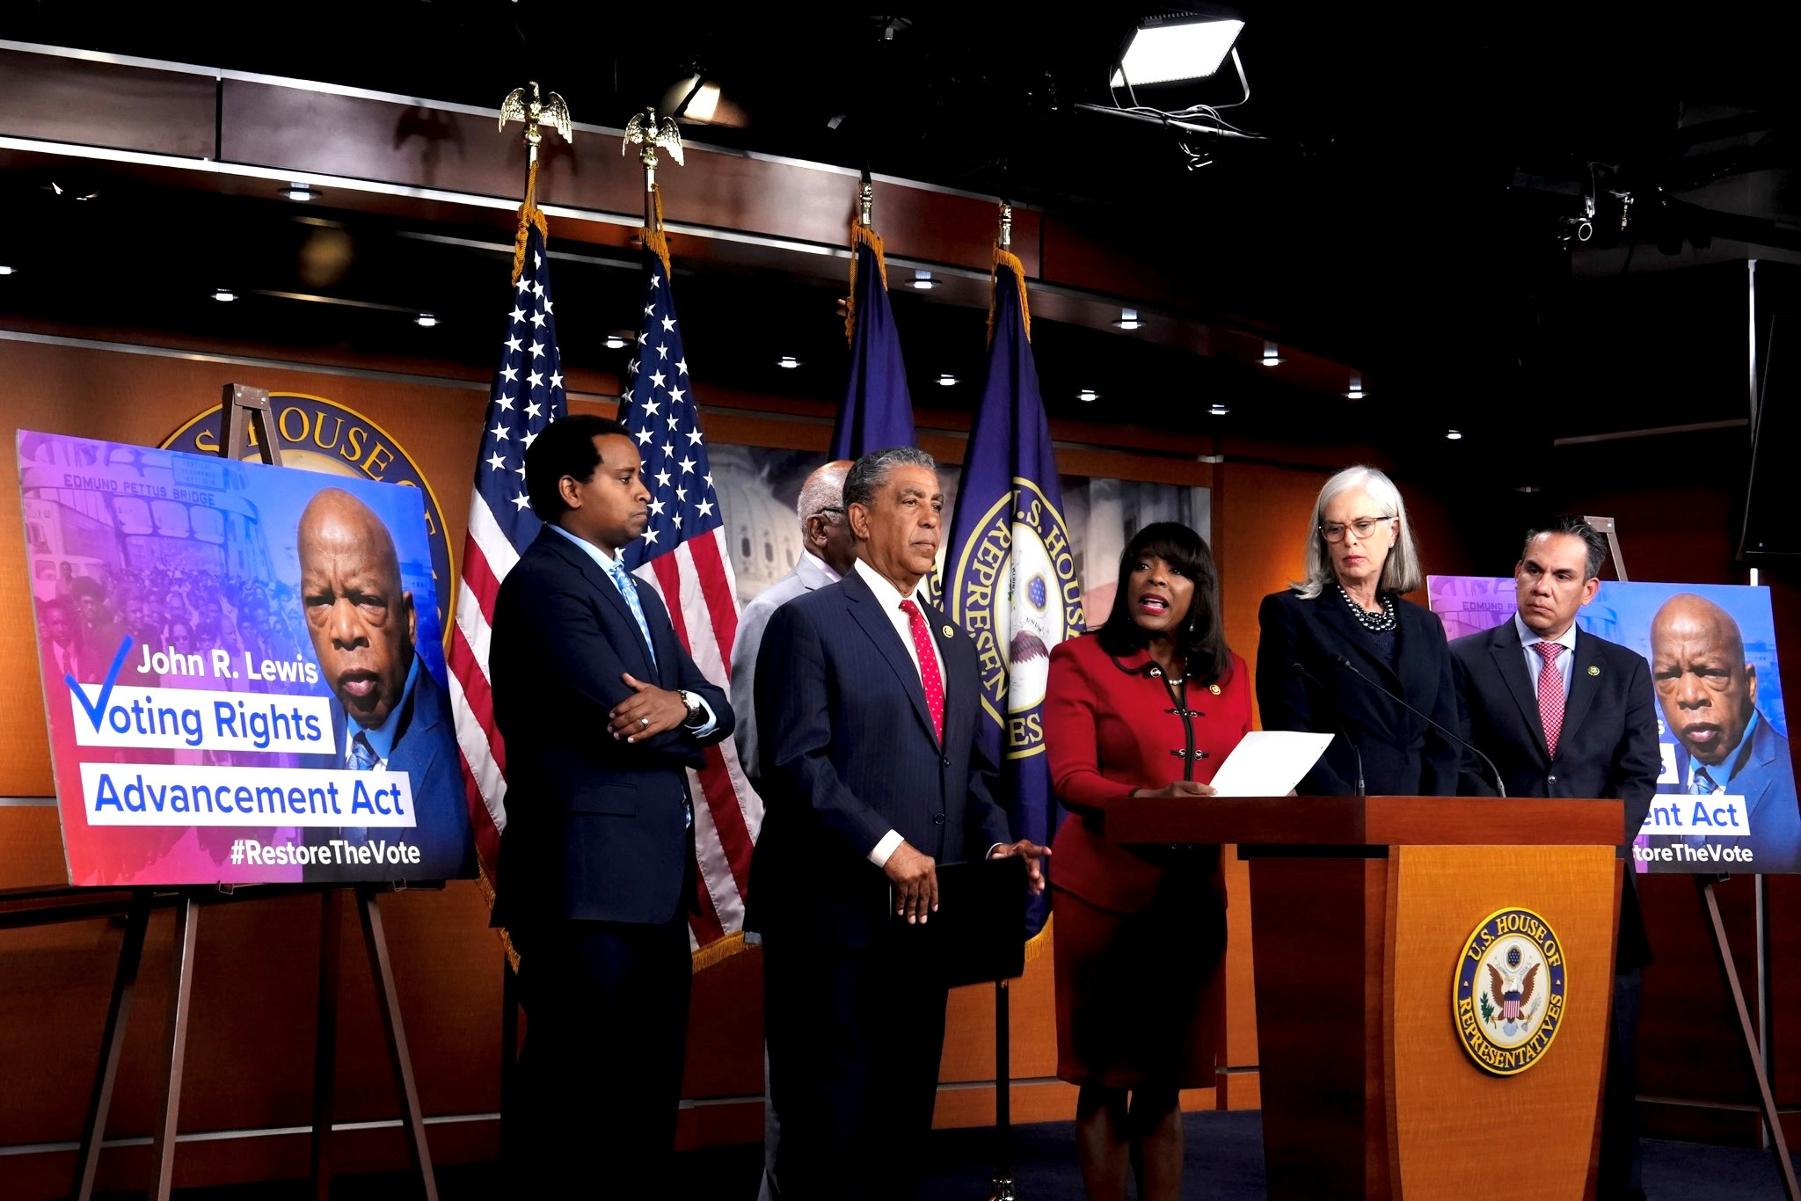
(1150, 705)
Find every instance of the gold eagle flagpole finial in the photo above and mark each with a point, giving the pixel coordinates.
(1006, 237)
(649, 133)
(536, 113)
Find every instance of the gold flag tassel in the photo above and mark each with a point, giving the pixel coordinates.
(654, 236)
(529, 215)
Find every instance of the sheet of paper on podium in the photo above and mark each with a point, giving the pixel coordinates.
(1269, 763)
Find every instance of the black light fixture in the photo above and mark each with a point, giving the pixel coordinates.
(1355, 391)
(615, 342)
(788, 362)
(299, 191)
(425, 321)
(1217, 409)
(1454, 435)
(224, 295)
(924, 281)
(1272, 355)
(1088, 396)
(1128, 319)
(946, 380)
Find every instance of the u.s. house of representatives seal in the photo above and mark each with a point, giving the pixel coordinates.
(1014, 588)
(323, 435)
(1507, 1000)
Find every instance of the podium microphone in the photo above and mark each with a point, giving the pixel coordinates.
(1343, 733)
(1459, 739)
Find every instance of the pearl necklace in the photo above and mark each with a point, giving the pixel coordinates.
(1375, 623)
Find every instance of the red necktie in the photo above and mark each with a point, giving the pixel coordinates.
(1550, 694)
(928, 666)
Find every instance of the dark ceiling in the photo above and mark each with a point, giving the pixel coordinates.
(1409, 205)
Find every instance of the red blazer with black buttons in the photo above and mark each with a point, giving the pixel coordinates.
(1111, 727)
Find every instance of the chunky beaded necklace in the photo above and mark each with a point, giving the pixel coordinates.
(1375, 623)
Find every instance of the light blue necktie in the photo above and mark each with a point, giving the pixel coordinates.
(1701, 784)
(362, 758)
(629, 591)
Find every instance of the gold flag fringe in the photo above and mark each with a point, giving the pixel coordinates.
(862, 235)
(1009, 260)
(718, 951)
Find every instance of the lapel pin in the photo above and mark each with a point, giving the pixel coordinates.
(950, 631)
(1213, 688)
(1593, 670)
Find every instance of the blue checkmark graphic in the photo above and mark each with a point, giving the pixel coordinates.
(96, 712)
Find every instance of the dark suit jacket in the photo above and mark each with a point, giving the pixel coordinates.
(1607, 748)
(1402, 755)
(848, 754)
(595, 826)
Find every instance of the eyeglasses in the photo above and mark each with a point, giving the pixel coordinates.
(1363, 527)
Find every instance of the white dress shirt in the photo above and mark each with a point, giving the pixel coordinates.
(889, 598)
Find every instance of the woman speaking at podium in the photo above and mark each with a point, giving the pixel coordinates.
(1342, 653)
(1149, 706)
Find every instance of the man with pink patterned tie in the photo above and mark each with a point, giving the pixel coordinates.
(1564, 713)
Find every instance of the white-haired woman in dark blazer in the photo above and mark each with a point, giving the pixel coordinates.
(1329, 640)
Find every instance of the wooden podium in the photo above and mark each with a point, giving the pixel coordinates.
(1360, 912)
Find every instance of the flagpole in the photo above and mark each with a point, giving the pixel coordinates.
(1002, 1188)
(533, 113)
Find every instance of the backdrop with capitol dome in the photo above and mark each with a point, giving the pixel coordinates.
(758, 489)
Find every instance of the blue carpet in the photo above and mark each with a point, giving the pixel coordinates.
(1224, 1163)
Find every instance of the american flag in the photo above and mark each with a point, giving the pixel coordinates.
(683, 555)
(527, 395)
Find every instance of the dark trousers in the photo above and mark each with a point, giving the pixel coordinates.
(594, 1102)
(855, 1036)
(1619, 1176)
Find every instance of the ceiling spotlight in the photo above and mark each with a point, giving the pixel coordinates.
(1454, 435)
(703, 106)
(298, 191)
(947, 380)
(224, 295)
(1088, 396)
(923, 281)
(615, 342)
(788, 361)
(425, 321)
(1217, 410)
(5, 270)
(1272, 355)
(1128, 319)
(1355, 391)
(1165, 49)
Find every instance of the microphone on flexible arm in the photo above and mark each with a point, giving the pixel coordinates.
(1343, 732)
(1459, 739)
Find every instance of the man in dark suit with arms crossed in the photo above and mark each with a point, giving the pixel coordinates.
(868, 711)
(1564, 713)
(601, 711)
